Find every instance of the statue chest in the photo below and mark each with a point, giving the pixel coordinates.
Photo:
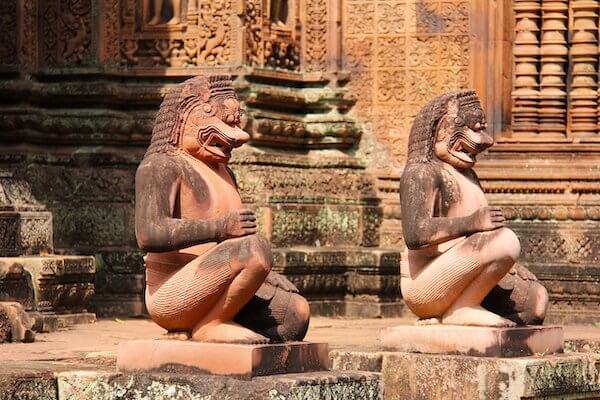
(462, 193)
(207, 193)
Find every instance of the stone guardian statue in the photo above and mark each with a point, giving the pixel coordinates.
(208, 271)
(460, 254)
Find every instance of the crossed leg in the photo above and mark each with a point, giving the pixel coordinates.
(453, 285)
(277, 313)
(202, 297)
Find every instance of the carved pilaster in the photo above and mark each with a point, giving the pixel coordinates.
(110, 14)
(583, 96)
(553, 51)
(29, 37)
(315, 53)
(526, 57)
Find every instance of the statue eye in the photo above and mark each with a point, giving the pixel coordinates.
(459, 121)
(477, 126)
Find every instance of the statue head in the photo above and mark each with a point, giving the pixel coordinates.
(201, 117)
(451, 128)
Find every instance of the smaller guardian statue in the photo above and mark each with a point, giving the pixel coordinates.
(460, 267)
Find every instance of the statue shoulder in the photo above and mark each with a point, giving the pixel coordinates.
(428, 174)
(160, 164)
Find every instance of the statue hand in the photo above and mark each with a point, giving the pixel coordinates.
(281, 281)
(487, 219)
(240, 223)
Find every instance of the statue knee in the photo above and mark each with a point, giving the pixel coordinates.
(297, 318)
(256, 254)
(507, 247)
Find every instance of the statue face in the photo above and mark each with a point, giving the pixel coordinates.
(212, 130)
(461, 136)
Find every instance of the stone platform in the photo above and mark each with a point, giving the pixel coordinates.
(409, 376)
(236, 360)
(474, 340)
(100, 384)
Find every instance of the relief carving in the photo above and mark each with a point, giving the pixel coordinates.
(199, 35)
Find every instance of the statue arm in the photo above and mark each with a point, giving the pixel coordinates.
(419, 192)
(157, 184)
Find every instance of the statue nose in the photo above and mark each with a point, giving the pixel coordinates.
(239, 136)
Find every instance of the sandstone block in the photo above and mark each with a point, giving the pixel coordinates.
(474, 341)
(237, 360)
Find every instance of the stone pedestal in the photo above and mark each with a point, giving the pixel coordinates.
(53, 289)
(235, 360)
(474, 341)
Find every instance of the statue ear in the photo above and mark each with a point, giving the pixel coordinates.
(208, 109)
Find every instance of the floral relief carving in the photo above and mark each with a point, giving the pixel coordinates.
(418, 49)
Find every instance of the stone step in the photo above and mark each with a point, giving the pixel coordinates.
(434, 376)
(99, 384)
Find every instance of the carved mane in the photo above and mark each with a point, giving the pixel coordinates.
(179, 101)
(424, 128)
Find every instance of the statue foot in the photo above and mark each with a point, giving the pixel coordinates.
(174, 21)
(428, 321)
(155, 20)
(475, 316)
(175, 335)
(228, 332)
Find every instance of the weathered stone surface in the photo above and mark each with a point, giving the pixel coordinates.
(25, 232)
(15, 324)
(474, 341)
(50, 322)
(240, 361)
(428, 376)
(30, 386)
(306, 386)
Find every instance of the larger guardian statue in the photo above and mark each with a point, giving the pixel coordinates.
(460, 266)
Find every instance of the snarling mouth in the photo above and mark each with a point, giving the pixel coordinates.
(216, 142)
(466, 150)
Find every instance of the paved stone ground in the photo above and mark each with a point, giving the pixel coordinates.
(95, 344)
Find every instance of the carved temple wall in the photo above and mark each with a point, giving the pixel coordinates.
(331, 88)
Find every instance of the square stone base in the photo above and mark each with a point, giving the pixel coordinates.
(473, 340)
(236, 360)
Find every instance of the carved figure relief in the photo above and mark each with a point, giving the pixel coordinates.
(208, 272)
(271, 37)
(177, 33)
(66, 29)
(461, 260)
(156, 17)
